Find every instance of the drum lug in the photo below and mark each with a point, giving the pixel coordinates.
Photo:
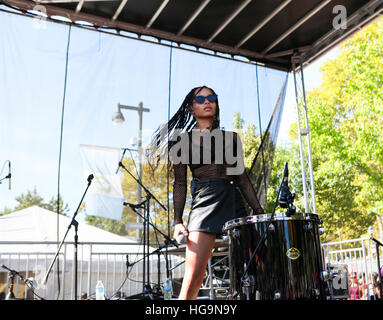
(316, 292)
(249, 281)
(308, 227)
(271, 228)
(236, 233)
(277, 295)
(321, 230)
(248, 285)
(324, 276)
(327, 276)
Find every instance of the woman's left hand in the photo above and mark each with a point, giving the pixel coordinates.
(178, 229)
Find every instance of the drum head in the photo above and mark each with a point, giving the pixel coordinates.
(278, 216)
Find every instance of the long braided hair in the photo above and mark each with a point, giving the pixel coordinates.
(163, 138)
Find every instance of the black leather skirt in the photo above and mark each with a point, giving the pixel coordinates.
(214, 202)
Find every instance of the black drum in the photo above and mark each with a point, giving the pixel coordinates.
(288, 265)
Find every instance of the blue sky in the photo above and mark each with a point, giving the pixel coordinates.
(105, 70)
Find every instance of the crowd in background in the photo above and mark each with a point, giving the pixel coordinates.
(362, 288)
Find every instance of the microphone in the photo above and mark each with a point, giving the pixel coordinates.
(9, 175)
(286, 174)
(90, 178)
(6, 268)
(285, 191)
(168, 242)
(181, 239)
(286, 198)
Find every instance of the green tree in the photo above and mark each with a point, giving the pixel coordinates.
(346, 126)
(29, 199)
(32, 198)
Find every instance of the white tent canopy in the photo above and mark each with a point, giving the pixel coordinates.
(38, 224)
(28, 241)
(35, 224)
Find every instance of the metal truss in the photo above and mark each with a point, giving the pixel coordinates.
(304, 135)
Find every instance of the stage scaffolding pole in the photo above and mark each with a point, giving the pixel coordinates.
(304, 136)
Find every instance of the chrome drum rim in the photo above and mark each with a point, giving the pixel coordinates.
(260, 218)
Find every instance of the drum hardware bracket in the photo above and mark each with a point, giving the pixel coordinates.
(249, 281)
(328, 275)
(291, 210)
(271, 228)
(236, 234)
(321, 229)
(308, 227)
(325, 276)
(285, 197)
(277, 295)
(316, 292)
(248, 285)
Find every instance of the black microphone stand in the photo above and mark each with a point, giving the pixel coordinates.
(147, 290)
(146, 224)
(12, 274)
(168, 241)
(75, 224)
(377, 244)
(290, 210)
(145, 189)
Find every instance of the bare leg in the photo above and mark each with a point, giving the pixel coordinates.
(197, 254)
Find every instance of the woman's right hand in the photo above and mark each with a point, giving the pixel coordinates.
(178, 229)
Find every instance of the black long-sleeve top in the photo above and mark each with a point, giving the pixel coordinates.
(218, 167)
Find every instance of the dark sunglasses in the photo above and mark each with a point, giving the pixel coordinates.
(210, 97)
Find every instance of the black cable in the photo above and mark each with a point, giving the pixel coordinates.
(31, 288)
(2, 169)
(169, 98)
(261, 135)
(140, 179)
(1, 172)
(122, 284)
(137, 261)
(141, 281)
(126, 277)
(135, 167)
(149, 217)
(60, 152)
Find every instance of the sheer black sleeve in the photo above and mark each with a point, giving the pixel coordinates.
(244, 183)
(179, 191)
(248, 192)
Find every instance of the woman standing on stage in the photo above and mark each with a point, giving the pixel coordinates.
(214, 188)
